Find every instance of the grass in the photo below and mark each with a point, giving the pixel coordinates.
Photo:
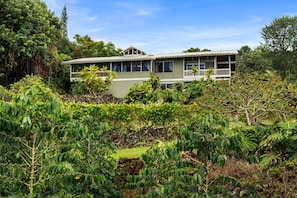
(130, 152)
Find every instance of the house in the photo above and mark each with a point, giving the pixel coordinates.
(134, 66)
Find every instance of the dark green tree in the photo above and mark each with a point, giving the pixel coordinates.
(29, 37)
(86, 47)
(64, 20)
(257, 60)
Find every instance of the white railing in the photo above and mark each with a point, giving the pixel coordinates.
(203, 73)
(76, 76)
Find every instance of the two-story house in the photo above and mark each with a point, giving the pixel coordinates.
(135, 65)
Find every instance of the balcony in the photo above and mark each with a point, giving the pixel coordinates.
(75, 76)
(202, 73)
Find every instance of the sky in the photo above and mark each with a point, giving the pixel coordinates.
(172, 26)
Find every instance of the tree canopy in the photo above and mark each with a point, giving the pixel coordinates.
(29, 37)
(281, 34)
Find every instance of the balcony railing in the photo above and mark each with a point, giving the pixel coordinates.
(75, 76)
(203, 73)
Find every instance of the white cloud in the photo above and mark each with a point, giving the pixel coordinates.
(133, 9)
(91, 18)
(142, 12)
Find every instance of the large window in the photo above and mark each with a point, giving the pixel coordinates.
(127, 66)
(164, 66)
(146, 65)
(116, 67)
(136, 66)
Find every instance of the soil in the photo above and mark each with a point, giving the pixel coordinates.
(91, 99)
(128, 166)
(145, 136)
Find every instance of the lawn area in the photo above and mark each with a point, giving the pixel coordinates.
(130, 152)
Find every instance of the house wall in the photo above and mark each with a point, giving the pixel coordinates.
(121, 88)
(122, 75)
(177, 69)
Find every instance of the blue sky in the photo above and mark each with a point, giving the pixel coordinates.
(169, 26)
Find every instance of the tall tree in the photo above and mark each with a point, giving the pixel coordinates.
(29, 37)
(281, 39)
(257, 60)
(281, 34)
(64, 20)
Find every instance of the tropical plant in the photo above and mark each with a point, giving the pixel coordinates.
(94, 80)
(45, 151)
(185, 168)
(272, 98)
(145, 93)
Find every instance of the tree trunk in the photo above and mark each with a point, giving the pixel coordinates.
(32, 171)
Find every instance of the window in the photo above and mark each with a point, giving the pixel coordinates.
(189, 66)
(136, 66)
(76, 68)
(202, 65)
(146, 65)
(168, 66)
(127, 67)
(116, 67)
(164, 66)
(158, 67)
(167, 85)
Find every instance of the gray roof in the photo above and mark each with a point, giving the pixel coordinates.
(148, 57)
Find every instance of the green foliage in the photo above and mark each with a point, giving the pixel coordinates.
(252, 98)
(151, 92)
(24, 49)
(257, 60)
(94, 80)
(279, 143)
(281, 40)
(185, 168)
(86, 47)
(281, 34)
(139, 94)
(145, 93)
(135, 116)
(5, 94)
(46, 152)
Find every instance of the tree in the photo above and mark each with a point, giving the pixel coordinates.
(252, 98)
(64, 20)
(192, 49)
(95, 80)
(30, 34)
(257, 60)
(86, 47)
(45, 151)
(281, 34)
(280, 38)
(186, 168)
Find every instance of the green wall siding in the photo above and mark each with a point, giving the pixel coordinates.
(121, 88)
(177, 70)
(144, 74)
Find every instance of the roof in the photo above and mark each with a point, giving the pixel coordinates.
(149, 57)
